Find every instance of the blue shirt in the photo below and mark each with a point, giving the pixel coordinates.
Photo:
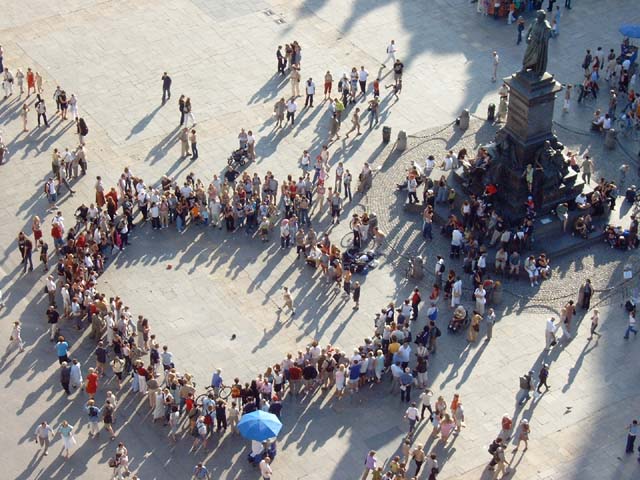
(354, 372)
(406, 379)
(200, 472)
(62, 348)
(216, 380)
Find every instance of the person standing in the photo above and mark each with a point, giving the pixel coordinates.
(278, 110)
(41, 109)
(193, 140)
(294, 78)
(584, 294)
(567, 4)
(43, 436)
(370, 464)
(31, 82)
(310, 89)
(356, 295)
(65, 377)
(406, 382)
(391, 53)
(181, 102)
(282, 61)
(542, 378)
(520, 28)
(632, 433)
(184, 143)
(632, 325)
(26, 254)
(166, 87)
(346, 181)
(188, 113)
(328, 83)
(363, 75)
(526, 386)
(496, 62)
(490, 320)
(502, 466)
(291, 110)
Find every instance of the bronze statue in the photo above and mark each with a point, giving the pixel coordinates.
(535, 57)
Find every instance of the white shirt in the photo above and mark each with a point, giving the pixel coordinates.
(551, 327)
(412, 413)
(311, 88)
(363, 75)
(496, 59)
(265, 469)
(429, 164)
(291, 106)
(448, 163)
(392, 48)
(456, 238)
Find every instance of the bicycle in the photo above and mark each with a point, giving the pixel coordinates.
(223, 394)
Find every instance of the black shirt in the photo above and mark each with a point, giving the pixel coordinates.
(101, 355)
(53, 316)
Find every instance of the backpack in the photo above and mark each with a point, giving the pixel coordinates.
(438, 332)
(93, 411)
(493, 448)
(524, 383)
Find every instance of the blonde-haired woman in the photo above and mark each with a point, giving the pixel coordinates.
(340, 381)
(66, 432)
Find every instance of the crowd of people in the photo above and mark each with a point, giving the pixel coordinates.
(394, 353)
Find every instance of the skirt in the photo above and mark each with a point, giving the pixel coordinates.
(69, 442)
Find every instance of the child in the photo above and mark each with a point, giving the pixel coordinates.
(595, 317)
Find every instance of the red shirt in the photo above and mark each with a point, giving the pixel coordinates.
(295, 373)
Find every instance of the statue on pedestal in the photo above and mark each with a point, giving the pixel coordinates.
(535, 57)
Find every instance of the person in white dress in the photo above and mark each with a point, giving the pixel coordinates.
(76, 374)
(16, 339)
(340, 379)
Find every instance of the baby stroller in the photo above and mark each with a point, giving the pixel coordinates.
(459, 321)
(238, 158)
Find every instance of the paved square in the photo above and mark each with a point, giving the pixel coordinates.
(221, 53)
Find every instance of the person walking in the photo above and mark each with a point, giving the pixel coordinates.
(310, 90)
(93, 413)
(66, 432)
(595, 319)
(24, 113)
(370, 464)
(363, 75)
(288, 300)
(43, 436)
(632, 325)
(496, 62)
(550, 333)
(490, 321)
(279, 110)
(16, 339)
(632, 433)
(526, 386)
(412, 414)
(166, 87)
(295, 78)
(181, 102)
(523, 435)
(328, 84)
(391, 53)
(200, 472)
(355, 122)
(265, 468)
(542, 378)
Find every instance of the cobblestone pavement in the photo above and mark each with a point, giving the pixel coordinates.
(221, 53)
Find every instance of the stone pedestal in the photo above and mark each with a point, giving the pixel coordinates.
(401, 141)
(464, 119)
(530, 118)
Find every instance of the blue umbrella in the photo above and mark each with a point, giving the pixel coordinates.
(631, 31)
(259, 426)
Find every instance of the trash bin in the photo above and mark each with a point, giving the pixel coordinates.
(491, 112)
(386, 134)
(610, 139)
